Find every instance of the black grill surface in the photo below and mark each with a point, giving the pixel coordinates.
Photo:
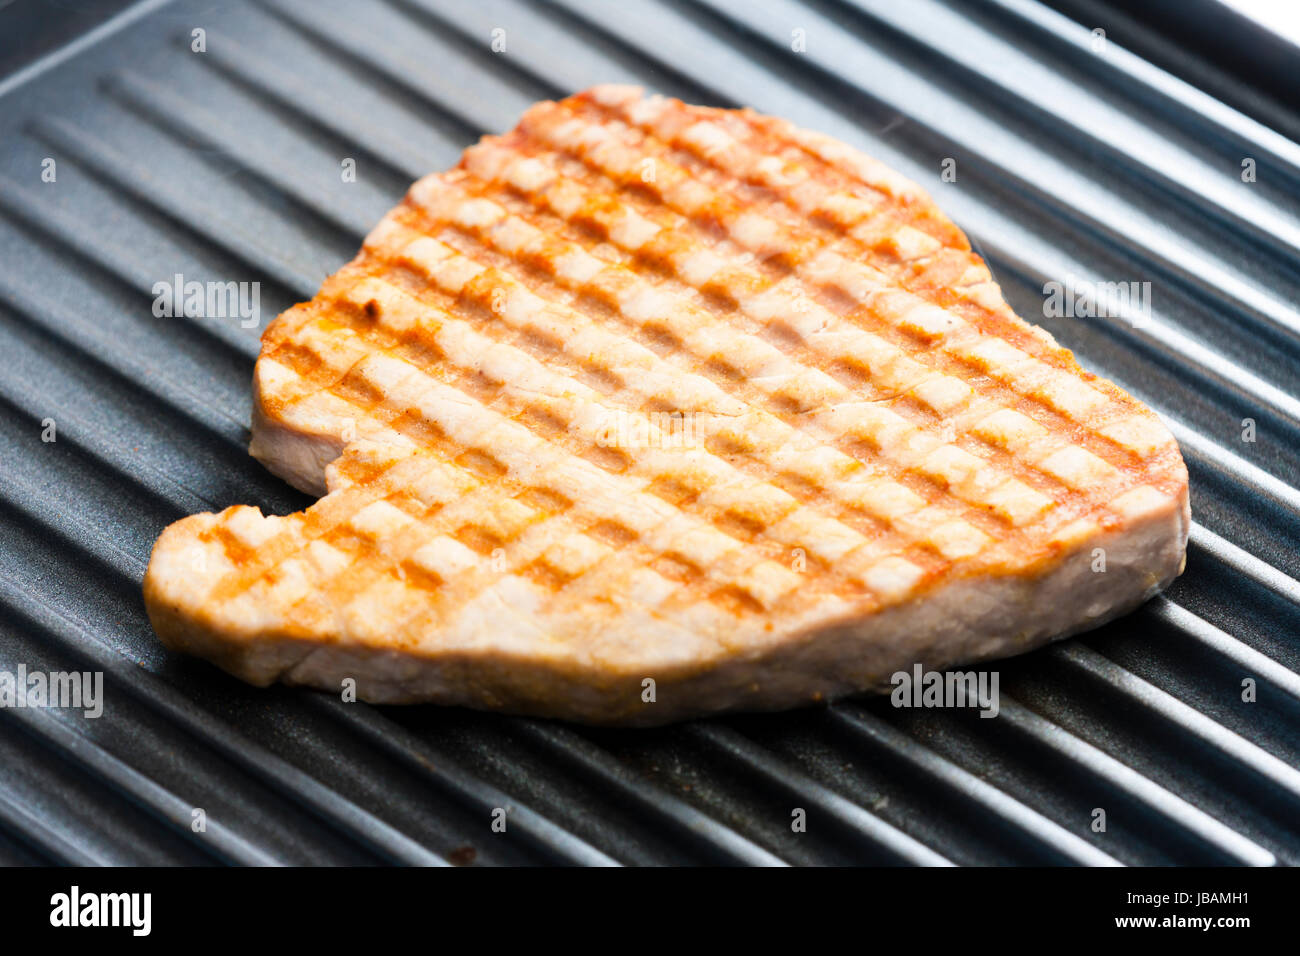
(225, 165)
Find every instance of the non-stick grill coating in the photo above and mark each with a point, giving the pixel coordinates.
(1072, 159)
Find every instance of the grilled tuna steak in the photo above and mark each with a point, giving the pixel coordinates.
(649, 410)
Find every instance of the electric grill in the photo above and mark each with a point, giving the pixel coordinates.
(209, 140)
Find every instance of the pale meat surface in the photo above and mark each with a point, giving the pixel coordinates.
(648, 392)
